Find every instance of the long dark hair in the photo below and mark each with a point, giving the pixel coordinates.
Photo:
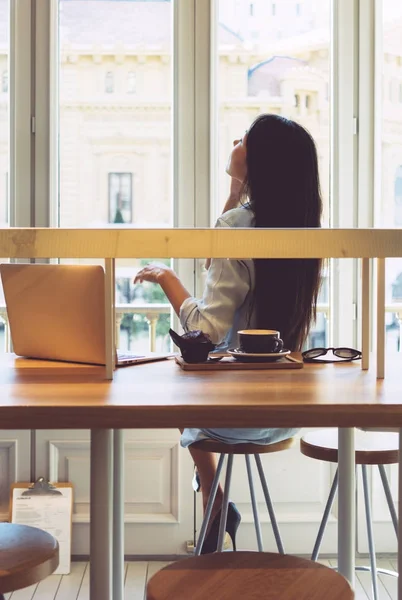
(284, 191)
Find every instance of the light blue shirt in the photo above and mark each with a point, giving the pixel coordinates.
(227, 303)
(226, 307)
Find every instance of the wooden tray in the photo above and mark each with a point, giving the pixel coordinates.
(228, 363)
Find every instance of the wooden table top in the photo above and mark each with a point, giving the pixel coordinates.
(47, 395)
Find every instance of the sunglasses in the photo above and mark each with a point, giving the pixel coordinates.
(346, 354)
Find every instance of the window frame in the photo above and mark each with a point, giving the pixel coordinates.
(21, 111)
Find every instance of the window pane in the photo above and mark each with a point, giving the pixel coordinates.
(274, 57)
(115, 134)
(389, 210)
(4, 137)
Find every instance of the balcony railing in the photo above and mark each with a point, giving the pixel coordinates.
(152, 313)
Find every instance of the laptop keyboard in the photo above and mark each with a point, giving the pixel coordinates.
(128, 356)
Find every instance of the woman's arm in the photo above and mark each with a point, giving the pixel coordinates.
(235, 194)
(168, 280)
(227, 285)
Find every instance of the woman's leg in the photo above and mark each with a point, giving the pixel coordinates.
(206, 467)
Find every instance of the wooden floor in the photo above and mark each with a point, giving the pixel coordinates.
(76, 585)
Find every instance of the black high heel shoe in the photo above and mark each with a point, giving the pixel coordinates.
(232, 524)
(196, 482)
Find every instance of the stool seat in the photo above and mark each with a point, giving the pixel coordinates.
(27, 555)
(247, 576)
(222, 448)
(371, 448)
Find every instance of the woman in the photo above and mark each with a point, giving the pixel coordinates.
(275, 165)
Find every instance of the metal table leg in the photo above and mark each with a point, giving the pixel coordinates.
(346, 504)
(101, 515)
(400, 518)
(118, 514)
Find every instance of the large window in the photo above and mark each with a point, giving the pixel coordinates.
(115, 135)
(135, 138)
(278, 63)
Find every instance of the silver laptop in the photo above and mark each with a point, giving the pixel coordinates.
(56, 312)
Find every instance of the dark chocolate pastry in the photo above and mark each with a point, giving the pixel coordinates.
(194, 345)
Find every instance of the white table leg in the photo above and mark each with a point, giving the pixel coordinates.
(101, 515)
(346, 504)
(400, 518)
(118, 514)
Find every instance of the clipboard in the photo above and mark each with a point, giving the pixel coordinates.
(48, 507)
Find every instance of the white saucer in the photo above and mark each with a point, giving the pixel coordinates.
(257, 357)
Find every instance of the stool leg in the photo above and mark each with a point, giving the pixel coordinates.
(254, 504)
(270, 508)
(210, 504)
(325, 516)
(388, 496)
(373, 564)
(225, 504)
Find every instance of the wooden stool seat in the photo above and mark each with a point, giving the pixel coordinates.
(247, 576)
(371, 448)
(27, 555)
(222, 448)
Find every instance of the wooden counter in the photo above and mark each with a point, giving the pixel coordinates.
(39, 394)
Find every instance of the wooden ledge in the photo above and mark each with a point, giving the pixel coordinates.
(198, 243)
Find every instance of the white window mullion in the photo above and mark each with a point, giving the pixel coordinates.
(21, 155)
(369, 13)
(344, 162)
(43, 112)
(204, 80)
(366, 132)
(184, 127)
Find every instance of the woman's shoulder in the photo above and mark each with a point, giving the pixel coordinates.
(242, 216)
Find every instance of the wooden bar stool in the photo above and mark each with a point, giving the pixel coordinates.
(370, 449)
(247, 576)
(246, 450)
(27, 555)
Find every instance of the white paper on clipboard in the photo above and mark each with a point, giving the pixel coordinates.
(49, 509)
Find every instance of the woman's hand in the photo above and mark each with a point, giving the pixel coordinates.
(235, 194)
(168, 280)
(154, 273)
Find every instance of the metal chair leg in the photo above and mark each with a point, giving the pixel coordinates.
(324, 520)
(225, 504)
(254, 504)
(270, 508)
(210, 504)
(388, 496)
(373, 564)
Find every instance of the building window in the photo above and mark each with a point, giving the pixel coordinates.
(273, 9)
(131, 83)
(307, 101)
(298, 9)
(251, 9)
(297, 101)
(120, 198)
(4, 82)
(109, 82)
